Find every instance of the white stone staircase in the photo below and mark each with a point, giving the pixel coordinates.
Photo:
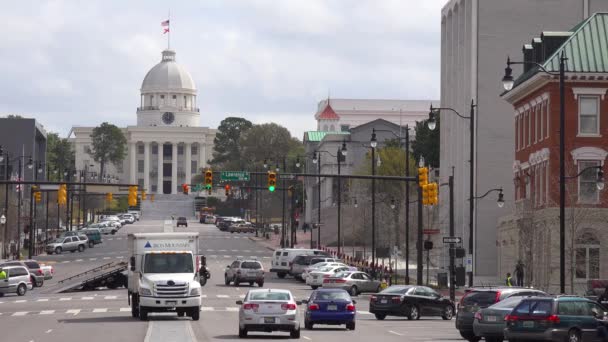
(165, 206)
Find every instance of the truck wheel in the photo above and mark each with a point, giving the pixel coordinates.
(195, 313)
(226, 281)
(281, 275)
(261, 284)
(134, 305)
(143, 314)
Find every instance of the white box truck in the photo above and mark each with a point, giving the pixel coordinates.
(164, 274)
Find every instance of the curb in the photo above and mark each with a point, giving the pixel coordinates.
(267, 247)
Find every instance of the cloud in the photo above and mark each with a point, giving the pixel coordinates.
(81, 63)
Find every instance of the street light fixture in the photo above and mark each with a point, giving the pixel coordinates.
(315, 159)
(432, 122)
(501, 200)
(265, 164)
(356, 204)
(30, 163)
(2, 219)
(507, 79)
(343, 150)
(393, 206)
(600, 180)
(373, 142)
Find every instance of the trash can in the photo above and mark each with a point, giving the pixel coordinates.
(442, 280)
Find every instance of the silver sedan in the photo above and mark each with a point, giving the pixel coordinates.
(353, 282)
(269, 310)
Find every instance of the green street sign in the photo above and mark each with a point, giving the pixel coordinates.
(235, 176)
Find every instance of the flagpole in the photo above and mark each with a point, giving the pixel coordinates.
(169, 33)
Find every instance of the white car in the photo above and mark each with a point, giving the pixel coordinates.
(114, 220)
(268, 310)
(315, 278)
(317, 266)
(130, 219)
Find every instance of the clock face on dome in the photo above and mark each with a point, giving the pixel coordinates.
(168, 118)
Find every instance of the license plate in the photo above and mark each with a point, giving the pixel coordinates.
(491, 318)
(383, 301)
(528, 324)
(171, 302)
(332, 307)
(269, 320)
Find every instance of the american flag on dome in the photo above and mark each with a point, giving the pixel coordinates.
(165, 26)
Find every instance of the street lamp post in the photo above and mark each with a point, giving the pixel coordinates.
(432, 124)
(508, 83)
(316, 159)
(339, 155)
(373, 143)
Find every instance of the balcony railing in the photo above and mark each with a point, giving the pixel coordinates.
(168, 108)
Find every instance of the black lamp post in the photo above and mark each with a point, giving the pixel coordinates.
(340, 156)
(316, 160)
(508, 83)
(432, 123)
(373, 143)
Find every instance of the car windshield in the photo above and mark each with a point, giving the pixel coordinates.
(251, 265)
(269, 296)
(480, 298)
(326, 269)
(168, 263)
(333, 295)
(508, 303)
(60, 240)
(342, 275)
(396, 290)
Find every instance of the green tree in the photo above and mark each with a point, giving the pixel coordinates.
(108, 146)
(226, 149)
(269, 142)
(60, 154)
(427, 143)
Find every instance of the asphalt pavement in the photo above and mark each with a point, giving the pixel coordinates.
(105, 314)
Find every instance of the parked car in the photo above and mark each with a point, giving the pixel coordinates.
(315, 279)
(106, 227)
(282, 259)
(36, 273)
(93, 234)
(300, 262)
(244, 271)
(319, 265)
(18, 280)
(130, 219)
(490, 322)
(411, 302)
(241, 228)
(135, 214)
(353, 282)
(330, 306)
(182, 221)
(69, 243)
(269, 310)
(561, 318)
(482, 297)
(48, 271)
(113, 219)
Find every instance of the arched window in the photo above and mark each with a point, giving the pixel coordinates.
(332, 128)
(324, 128)
(587, 256)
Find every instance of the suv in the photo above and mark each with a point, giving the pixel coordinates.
(68, 243)
(562, 318)
(93, 234)
(36, 274)
(482, 297)
(18, 280)
(300, 263)
(283, 259)
(182, 221)
(243, 271)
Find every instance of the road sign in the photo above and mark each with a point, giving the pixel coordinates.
(430, 231)
(49, 187)
(452, 239)
(469, 263)
(235, 176)
(286, 176)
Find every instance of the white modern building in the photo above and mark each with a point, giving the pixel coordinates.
(167, 146)
(476, 38)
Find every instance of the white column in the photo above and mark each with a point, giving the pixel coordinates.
(159, 186)
(188, 168)
(147, 166)
(202, 151)
(132, 163)
(174, 170)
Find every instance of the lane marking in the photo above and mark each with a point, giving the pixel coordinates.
(20, 313)
(232, 309)
(226, 256)
(49, 331)
(109, 297)
(203, 296)
(87, 298)
(77, 260)
(47, 312)
(395, 333)
(73, 311)
(223, 296)
(65, 299)
(42, 300)
(100, 310)
(125, 309)
(92, 259)
(207, 308)
(364, 312)
(65, 262)
(307, 338)
(21, 301)
(106, 258)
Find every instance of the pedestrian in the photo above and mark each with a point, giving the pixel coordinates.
(509, 281)
(603, 299)
(519, 273)
(2, 274)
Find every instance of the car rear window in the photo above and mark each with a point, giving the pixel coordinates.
(534, 308)
(316, 261)
(333, 295)
(32, 264)
(396, 289)
(508, 303)
(480, 298)
(251, 265)
(269, 296)
(277, 253)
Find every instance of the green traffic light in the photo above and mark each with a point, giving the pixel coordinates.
(271, 188)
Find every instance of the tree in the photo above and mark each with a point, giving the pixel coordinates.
(60, 154)
(108, 146)
(268, 142)
(226, 149)
(427, 143)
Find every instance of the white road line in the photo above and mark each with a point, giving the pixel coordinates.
(242, 296)
(395, 333)
(109, 297)
(87, 298)
(125, 309)
(364, 312)
(226, 256)
(206, 308)
(222, 250)
(119, 257)
(47, 312)
(232, 309)
(20, 313)
(100, 310)
(306, 338)
(213, 256)
(42, 300)
(106, 258)
(222, 296)
(77, 260)
(65, 299)
(235, 250)
(49, 331)
(65, 262)
(92, 259)
(73, 311)
(21, 301)
(210, 250)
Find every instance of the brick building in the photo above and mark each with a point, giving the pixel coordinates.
(531, 232)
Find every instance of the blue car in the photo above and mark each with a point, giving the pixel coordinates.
(330, 306)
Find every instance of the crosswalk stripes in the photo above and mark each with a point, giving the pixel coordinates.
(111, 298)
(47, 312)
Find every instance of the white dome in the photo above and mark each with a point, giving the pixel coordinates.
(168, 76)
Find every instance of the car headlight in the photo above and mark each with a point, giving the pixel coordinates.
(143, 291)
(195, 291)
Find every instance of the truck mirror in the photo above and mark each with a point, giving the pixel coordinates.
(239, 302)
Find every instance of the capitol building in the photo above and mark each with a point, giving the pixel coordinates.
(167, 146)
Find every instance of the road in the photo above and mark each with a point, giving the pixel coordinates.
(105, 315)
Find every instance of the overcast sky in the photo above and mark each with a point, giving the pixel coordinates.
(81, 63)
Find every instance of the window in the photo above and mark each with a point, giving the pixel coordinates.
(521, 131)
(193, 165)
(140, 149)
(587, 256)
(325, 128)
(154, 149)
(547, 116)
(140, 183)
(344, 128)
(140, 166)
(587, 182)
(86, 149)
(588, 121)
(332, 128)
(162, 99)
(537, 114)
(186, 102)
(154, 188)
(528, 128)
(174, 100)
(517, 133)
(180, 150)
(194, 150)
(151, 100)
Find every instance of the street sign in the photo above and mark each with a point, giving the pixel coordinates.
(430, 231)
(235, 176)
(452, 239)
(469, 263)
(286, 176)
(49, 187)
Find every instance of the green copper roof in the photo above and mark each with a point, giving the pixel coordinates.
(586, 49)
(318, 135)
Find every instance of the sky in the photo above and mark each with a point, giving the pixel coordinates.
(80, 63)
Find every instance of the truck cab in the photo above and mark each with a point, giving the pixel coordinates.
(164, 274)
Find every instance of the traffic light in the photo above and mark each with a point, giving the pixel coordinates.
(426, 194)
(132, 195)
(62, 194)
(185, 188)
(109, 197)
(423, 176)
(143, 195)
(208, 179)
(38, 196)
(434, 194)
(227, 188)
(272, 181)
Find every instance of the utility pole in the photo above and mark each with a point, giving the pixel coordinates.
(420, 243)
(452, 250)
(407, 206)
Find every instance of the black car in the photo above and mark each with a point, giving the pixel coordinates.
(480, 298)
(181, 221)
(411, 302)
